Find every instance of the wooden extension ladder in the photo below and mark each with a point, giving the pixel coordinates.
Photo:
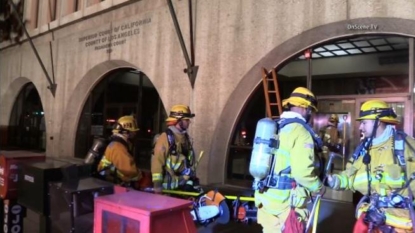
(272, 94)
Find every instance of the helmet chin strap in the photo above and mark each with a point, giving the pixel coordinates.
(122, 135)
(366, 157)
(308, 114)
(130, 136)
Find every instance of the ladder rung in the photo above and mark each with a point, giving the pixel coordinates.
(271, 88)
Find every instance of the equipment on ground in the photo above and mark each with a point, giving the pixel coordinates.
(243, 211)
(206, 208)
(212, 206)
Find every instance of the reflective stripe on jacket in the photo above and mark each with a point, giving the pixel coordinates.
(390, 177)
(166, 168)
(382, 158)
(117, 154)
(296, 149)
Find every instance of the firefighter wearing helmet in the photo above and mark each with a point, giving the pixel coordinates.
(117, 164)
(172, 165)
(293, 177)
(386, 156)
(330, 135)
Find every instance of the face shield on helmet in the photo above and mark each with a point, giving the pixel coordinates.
(126, 125)
(304, 98)
(180, 112)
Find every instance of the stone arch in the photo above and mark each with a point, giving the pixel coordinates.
(10, 96)
(77, 101)
(278, 56)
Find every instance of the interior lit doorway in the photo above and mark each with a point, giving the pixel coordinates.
(347, 109)
(342, 74)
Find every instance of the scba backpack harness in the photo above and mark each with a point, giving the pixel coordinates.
(278, 181)
(375, 217)
(188, 153)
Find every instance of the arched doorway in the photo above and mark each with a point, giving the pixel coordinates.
(343, 73)
(121, 92)
(27, 129)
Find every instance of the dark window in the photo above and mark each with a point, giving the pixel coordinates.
(122, 92)
(27, 128)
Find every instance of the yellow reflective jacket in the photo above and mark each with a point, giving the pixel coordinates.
(166, 168)
(117, 154)
(392, 178)
(296, 150)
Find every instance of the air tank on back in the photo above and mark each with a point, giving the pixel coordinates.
(261, 157)
(97, 149)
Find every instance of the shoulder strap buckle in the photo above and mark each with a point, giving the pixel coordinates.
(399, 147)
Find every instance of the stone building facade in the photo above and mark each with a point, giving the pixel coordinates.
(82, 41)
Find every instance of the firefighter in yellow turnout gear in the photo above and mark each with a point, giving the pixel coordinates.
(388, 156)
(294, 177)
(117, 164)
(330, 134)
(172, 165)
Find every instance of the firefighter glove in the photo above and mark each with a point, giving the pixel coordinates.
(332, 181)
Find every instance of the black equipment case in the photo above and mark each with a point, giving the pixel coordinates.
(72, 204)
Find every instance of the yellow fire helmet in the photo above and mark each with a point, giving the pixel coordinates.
(125, 123)
(372, 109)
(180, 112)
(301, 97)
(334, 118)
